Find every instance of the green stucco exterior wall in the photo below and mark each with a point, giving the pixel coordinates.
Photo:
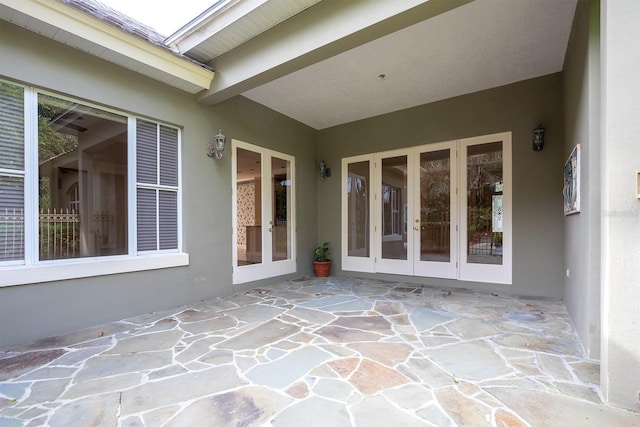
(537, 176)
(33, 311)
(581, 280)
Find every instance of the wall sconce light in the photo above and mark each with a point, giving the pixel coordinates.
(538, 138)
(325, 172)
(216, 147)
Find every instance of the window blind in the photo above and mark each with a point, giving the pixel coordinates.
(157, 182)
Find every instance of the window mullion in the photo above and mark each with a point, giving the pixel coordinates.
(132, 186)
(158, 163)
(31, 176)
(179, 195)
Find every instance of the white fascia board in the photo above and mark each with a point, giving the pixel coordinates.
(102, 34)
(211, 22)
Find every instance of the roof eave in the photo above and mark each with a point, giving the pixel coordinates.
(145, 57)
(218, 17)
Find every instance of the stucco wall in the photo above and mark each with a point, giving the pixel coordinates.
(537, 176)
(582, 126)
(620, 367)
(33, 311)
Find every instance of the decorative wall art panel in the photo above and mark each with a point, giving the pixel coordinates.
(571, 187)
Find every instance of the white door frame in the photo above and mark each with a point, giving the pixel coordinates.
(493, 273)
(458, 267)
(447, 270)
(267, 267)
(388, 265)
(357, 263)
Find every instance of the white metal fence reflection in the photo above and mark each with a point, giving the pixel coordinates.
(58, 234)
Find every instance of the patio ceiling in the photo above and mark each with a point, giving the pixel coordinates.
(392, 62)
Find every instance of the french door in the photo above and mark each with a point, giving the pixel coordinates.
(438, 210)
(263, 213)
(435, 211)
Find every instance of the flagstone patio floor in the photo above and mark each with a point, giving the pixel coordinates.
(316, 352)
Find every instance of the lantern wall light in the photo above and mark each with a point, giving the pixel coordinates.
(538, 138)
(325, 172)
(215, 148)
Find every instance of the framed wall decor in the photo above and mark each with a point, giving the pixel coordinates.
(571, 187)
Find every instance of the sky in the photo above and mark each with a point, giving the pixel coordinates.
(161, 15)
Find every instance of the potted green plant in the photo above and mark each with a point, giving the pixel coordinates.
(321, 260)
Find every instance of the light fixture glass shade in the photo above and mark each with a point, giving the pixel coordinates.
(216, 147)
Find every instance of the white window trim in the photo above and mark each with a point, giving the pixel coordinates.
(51, 271)
(32, 270)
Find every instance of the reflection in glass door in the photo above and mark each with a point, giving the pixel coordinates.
(394, 199)
(263, 220)
(280, 226)
(249, 207)
(358, 209)
(357, 213)
(435, 253)
(393, 234)
(486, 240)
(484, 203)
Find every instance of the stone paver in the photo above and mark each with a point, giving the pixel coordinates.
(316, 352)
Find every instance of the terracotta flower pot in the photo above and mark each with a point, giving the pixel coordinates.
(322, 268)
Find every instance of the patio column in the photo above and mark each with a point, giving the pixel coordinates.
(620, 363)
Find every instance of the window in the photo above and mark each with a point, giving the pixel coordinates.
(81, 182)
(85, 148)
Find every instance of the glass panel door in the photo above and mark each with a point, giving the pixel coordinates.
(484, 203)
(435, 251)
(263, 213)
(249, 207)
(357, 211)
(394, 237)
(280, 225)
(486, 209)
